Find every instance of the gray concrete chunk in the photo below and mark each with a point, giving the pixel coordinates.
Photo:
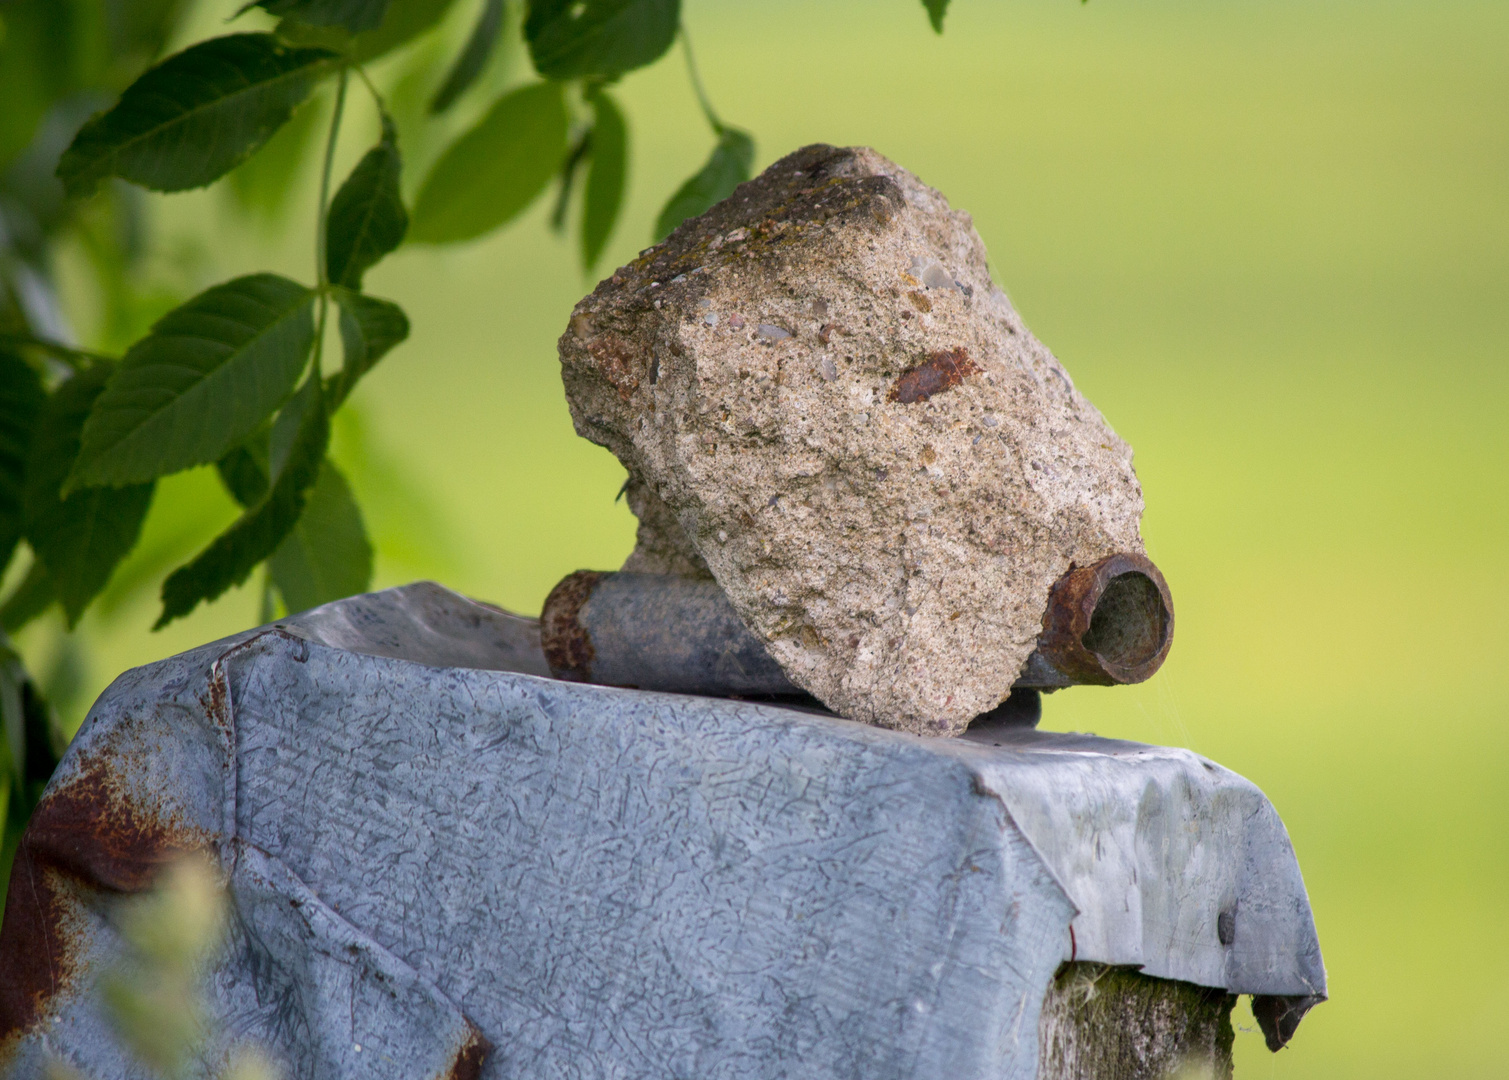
(825, 402)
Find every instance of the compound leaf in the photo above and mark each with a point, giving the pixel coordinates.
(78, 539)
(32, 596)
(489, 175)
(21, 403)
(576, 160)
(195, 116)
(354, 15)
(473, 59)
(605, 177)
(404, 21)
(264, 182)
(327, 556)
(208, 373)
(367, 217)
(243, 470)
(258, 532)
(726, 169)
(570, 39)
(369, 328)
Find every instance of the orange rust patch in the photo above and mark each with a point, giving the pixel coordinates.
(470, 1056)
(940, 371)
(84, 837)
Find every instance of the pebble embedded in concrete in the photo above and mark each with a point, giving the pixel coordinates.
(902, 574)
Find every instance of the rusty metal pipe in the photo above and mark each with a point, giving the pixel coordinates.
(655, 632)
(1105, 624)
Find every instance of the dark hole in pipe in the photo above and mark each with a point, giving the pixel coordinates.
(1129, 623)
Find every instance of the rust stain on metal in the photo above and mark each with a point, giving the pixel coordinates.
(567, 645)
(1108, 623)
(85, 837)
(470, 1056)
(36, 960)
(941, 371)
(218, 708)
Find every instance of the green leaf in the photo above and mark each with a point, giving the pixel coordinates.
(575, 160)
(200, 382)
(12, 717)
(195, 116)
(935, 10)
(473, 58)
(264, 182)
(328, 555)
(605, 178)
(489, 175)
(726, 169)
(369, 328)
(367, 218)
(81, 538)
(353, 15)
(32, 596)
(569, 39)
(290, 425)
(21, 403)
(37, 67)
(243, 470)
(258, 532)
(404, 21)
(28, 723)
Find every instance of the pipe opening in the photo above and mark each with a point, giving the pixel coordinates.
(1130, 623)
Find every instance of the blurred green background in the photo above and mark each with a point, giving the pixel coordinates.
(1270, 241)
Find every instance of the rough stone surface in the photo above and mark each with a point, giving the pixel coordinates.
(1113, 1023)
(824, 401)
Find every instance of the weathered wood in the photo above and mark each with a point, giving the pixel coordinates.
(1114, 1023)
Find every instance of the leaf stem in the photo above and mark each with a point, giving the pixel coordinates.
(75, 359)
(376, 97)
(322, 216)
(324, 207)
(696, 77)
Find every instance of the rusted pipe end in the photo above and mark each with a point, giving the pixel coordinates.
(1108, 623)
(567, 645)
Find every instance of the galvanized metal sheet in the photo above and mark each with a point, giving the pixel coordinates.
(466, 871)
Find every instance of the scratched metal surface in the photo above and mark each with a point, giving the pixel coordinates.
(467, 871)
